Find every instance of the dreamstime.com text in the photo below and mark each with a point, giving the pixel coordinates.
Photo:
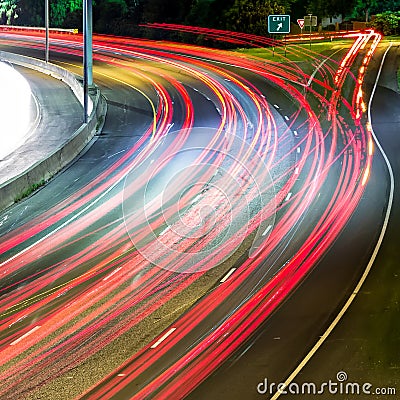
(340, 386)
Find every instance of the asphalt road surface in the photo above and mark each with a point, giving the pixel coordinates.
(88, 313)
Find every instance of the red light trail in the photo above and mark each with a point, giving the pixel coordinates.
(73, 283)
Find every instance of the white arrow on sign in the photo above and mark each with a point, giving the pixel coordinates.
(280, 26)
(300, 21)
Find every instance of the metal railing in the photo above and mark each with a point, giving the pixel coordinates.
(36, 29)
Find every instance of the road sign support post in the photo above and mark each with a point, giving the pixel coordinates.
(46, 21)
(284, 40)
(87, 54)
(279, 24)
(309, 20)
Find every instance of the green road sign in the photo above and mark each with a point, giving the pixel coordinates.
(278, 23)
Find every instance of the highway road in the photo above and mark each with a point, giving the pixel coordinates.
(217, 186)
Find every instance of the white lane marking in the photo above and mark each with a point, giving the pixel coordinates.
(112, 273)
(25, 335)
(296, 171)
(295, 133)
(371, 261)
(288, 196)
(227, 276)
(287, 118)
(169, 126)
(164, 231)
(18, 320)
(299, 150)
(3, 220)
(319, 66)
(115, 154)
(269, 227)
(162, 338)
(197, 197)
(276, 106)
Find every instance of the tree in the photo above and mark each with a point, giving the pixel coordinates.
(209, 13)
(108, 13)
(251, 16)
(8, 11)
(60, 9)
(388, 22)
(330, 8)
(166, 11)
(30, 12)
(365, 7)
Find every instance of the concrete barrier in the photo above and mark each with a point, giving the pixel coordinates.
(22, 184)
(50, 69)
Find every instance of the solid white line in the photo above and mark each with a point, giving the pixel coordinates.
(163, 337)
(225, 278)
(319, 66)
(112, 273)
(25, 335)
(164, 231)
(198, 196)
(373, 257)
(169, 126)
(269, 227)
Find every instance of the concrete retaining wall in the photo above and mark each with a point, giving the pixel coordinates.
(44, 169)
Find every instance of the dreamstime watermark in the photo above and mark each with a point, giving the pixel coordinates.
(196, 197)
(339, 386)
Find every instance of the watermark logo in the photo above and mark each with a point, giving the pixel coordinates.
(339, 386)
(191, 203)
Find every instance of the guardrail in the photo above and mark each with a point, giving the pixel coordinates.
(36, 29)
(44, 169)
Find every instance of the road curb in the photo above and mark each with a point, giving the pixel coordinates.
(20, 185)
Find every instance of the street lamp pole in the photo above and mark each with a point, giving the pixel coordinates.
(87, 54)
(46, 21)
(310, 27)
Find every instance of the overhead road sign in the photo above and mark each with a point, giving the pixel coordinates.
(300, 22)
(310, 20)
(278, 23)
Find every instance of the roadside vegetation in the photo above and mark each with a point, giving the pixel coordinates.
(297, 52)
(124, 17)
(29, 190)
